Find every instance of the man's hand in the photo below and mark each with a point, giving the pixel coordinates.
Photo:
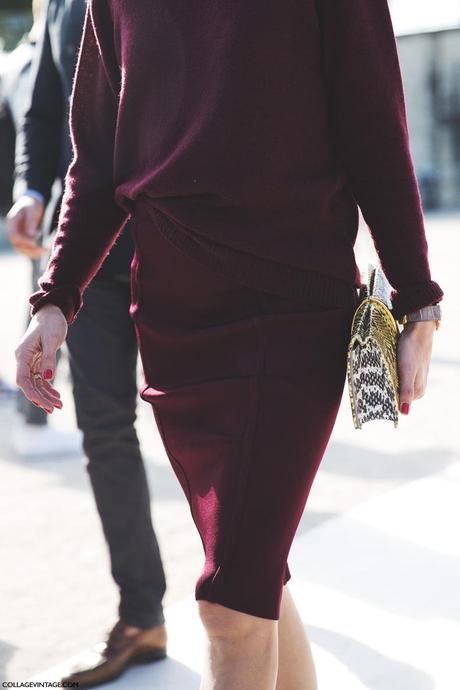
(414, 353)
(22, 226)
(36, 357)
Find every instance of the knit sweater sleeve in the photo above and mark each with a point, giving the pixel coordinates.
(90, 220)
(370, 134)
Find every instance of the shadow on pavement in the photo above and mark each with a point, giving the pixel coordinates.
(381, 569)
(7, 651)
(348, 460)
(373, 669)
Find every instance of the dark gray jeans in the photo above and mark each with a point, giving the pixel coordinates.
(103, 354)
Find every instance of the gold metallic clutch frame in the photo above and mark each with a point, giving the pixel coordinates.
(378, 325)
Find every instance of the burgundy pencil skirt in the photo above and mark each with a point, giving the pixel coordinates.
(245, 387)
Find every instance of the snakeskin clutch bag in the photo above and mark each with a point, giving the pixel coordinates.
(372, 371)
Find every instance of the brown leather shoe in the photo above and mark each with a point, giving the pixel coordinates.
(125, 646)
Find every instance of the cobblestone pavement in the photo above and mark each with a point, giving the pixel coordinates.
(57, 594)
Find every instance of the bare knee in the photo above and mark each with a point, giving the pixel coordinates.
(222, 622)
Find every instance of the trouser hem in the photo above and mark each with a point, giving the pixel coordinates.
(141, 620)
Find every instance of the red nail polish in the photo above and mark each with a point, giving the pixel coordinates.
(405, 408)
(48, 375)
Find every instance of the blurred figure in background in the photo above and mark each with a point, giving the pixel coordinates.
(15, 78)
(34, 436)
(103, 353)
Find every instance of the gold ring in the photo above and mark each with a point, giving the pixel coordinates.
(37, 376)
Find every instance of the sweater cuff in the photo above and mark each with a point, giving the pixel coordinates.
(67, 298)
(413, 297)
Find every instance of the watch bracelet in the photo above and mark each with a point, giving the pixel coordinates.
(431, 312)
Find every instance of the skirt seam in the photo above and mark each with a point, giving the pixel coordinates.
(178, 464)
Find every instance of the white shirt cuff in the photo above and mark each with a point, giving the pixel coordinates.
(35, 195)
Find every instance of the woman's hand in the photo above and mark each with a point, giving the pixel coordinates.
(414, 353)
(36, 357)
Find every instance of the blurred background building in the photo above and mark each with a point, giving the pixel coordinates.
(428, 36)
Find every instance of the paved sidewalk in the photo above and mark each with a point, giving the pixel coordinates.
(377, 591)
(375, 564)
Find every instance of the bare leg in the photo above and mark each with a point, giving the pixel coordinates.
(242, 650)
(296, 669)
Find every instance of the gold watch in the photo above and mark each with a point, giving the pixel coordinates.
(430, 313)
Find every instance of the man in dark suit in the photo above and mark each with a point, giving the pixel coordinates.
(102, 354)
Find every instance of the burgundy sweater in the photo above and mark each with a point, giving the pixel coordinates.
(256, 129)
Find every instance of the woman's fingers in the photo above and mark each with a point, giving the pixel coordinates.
(48, 357)
(414, 352)
(40, 399)
(406, 390)
(36, 357)
(26, 383)
(52, 391)
(52, 399)
(28, 373)
(406, 373)
(44, 390)
(420, 383)
(23, 381)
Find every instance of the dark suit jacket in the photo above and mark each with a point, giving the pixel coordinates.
(43, 149)
(15, 85)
